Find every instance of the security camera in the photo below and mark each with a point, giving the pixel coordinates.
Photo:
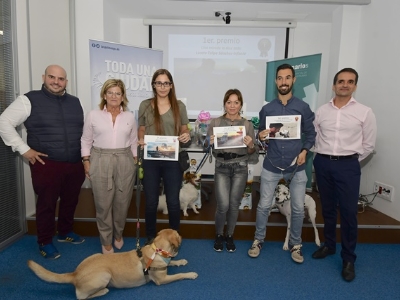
(227, 18)
(217, 14)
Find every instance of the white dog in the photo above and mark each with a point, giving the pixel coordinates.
(187, 195)
(282, 202)
(284, 133)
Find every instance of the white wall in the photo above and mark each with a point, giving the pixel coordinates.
(378, 66)
(41, 41)
(311, 38)
(89, 20)
(133, 32)
(357, 36)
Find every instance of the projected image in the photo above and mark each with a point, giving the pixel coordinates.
(205, 80)
(205, 66)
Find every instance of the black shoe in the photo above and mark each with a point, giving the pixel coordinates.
(230, 245)
(219, 243)
(348, 272)
(323, 252)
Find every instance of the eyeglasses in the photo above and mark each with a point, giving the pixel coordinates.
(114, 93)
(164, 84)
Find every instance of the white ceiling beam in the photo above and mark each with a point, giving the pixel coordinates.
(238, 23)
(335, 2)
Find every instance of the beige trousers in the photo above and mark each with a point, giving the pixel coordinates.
(112, 175)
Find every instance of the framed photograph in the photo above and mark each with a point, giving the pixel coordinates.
(161, 147)
(229, 137)
(284, 127)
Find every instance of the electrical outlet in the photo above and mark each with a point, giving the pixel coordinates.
(384, 191)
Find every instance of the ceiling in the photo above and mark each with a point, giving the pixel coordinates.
(319, 11)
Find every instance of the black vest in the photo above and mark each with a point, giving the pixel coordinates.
(55, 125)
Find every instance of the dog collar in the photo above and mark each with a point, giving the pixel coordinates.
(163, 253)
(160, 251)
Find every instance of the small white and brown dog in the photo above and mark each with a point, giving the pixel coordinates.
(282, 202)
(187, 195)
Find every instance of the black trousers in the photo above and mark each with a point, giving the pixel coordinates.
(339, 186)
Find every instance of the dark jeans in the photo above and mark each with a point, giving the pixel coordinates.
(171, 175)
(52, 181)
(339, 186)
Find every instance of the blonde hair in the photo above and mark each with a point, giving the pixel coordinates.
(110, 83)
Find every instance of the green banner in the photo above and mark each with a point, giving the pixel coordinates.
(307, 70)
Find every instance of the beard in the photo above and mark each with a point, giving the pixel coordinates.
(285, 92)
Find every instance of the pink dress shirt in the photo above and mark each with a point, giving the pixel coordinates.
(345, 131)
(99, 131)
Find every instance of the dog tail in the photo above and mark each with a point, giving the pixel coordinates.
(49, 276)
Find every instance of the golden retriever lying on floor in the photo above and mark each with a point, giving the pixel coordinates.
(122, 270)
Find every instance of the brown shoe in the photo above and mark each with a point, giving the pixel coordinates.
(323, 252)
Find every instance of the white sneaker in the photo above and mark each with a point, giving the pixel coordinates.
(297, 256)
(255, 249)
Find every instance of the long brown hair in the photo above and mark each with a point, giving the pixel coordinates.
(172, 100)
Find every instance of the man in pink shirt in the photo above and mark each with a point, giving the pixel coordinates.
(346, 134)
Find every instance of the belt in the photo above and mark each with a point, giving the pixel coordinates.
(229, 155)
(339, 157)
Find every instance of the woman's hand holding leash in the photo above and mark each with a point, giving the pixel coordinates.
(141, 143)
(212, 137)
(184, 138)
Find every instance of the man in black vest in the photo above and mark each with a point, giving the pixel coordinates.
(54, 122)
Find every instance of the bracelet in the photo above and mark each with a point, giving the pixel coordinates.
(85, 159)
(252, 147)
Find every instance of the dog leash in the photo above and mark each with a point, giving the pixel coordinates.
(207, 153)
(292, 175)
(140, 175)
(201, 164)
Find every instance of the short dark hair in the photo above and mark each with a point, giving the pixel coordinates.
(283, 67)
(348, 70)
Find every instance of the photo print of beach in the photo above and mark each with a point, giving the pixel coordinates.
(229, 137)
(161, 147)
